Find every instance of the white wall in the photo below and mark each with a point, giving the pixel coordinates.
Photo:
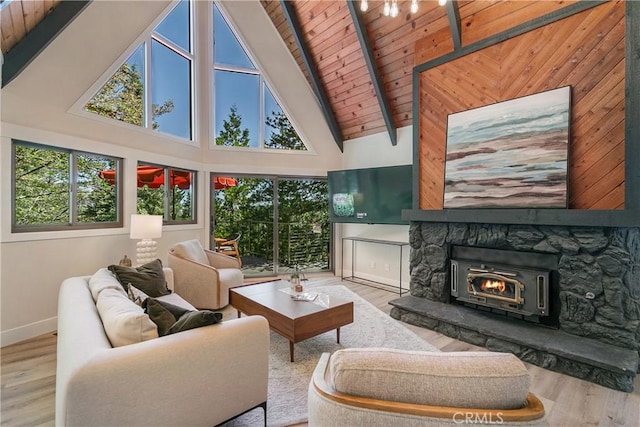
(373, 261)
(40, 106)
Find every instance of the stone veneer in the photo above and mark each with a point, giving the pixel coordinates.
(601, 261)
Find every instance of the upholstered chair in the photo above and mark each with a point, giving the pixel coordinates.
(384, 387)
(203, 277)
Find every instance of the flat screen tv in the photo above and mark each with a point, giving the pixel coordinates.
(370, 196)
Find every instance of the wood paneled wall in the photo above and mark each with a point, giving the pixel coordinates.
(584, 51)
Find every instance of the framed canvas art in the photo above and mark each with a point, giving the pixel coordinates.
(512, 154)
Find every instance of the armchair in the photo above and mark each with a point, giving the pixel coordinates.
(203, 277)
(382, 387)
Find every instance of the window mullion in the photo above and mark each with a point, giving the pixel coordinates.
(262, 114)
(148, 113)
(172, 46)
(73, 188)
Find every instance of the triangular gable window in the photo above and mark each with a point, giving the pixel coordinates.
(159, 98)
(246, 114)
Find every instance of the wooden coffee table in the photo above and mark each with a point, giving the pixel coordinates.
(294, 320)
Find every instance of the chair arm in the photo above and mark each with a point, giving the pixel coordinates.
(197, 283)
(168, 277)
(218, 260)
(201, 376)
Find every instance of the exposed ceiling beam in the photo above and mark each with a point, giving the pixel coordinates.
(296, 30)
(454, 23)
(39, 38)
(374, 72)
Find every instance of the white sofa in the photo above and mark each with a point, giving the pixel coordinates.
(198, 377)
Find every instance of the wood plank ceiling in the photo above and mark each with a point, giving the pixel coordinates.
(329, 33)
(328, 30)
(19, 17)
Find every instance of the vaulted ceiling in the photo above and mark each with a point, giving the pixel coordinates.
(360, 64)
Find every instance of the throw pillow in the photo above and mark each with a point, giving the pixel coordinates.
(195, 319)
(136, 295)
(171, 318)
(160, 315)
(149, 278)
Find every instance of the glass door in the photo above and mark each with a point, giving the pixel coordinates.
(243, 209)
(304, 232)
(281, 223)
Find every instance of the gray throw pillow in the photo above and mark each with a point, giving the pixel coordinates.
(195, 319)
(149, 278)
(171, 318)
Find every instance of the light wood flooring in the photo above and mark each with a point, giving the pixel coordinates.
(28, 382)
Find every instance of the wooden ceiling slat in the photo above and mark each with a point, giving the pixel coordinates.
(505, 15)
(28, 12)
(17, 18)
(38, 11)
(8, 38)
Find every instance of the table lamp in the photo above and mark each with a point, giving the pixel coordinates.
(146, 228)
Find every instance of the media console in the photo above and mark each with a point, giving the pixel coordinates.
(368, 282)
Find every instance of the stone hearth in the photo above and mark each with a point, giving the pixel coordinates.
(598, 289)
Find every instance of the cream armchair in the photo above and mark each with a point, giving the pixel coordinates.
(382, 387)
(203, 277)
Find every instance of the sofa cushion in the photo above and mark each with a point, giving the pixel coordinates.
(191, 250)
(172, 318)
(103, 279)
(124, 322)
(149, 278)
(457, 379)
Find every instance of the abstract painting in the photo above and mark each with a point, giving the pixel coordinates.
(512, 154)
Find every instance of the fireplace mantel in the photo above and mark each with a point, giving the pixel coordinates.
(558, 217)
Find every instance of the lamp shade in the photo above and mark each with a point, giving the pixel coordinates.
(146, 226)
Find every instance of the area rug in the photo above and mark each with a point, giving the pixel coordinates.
(288, 382)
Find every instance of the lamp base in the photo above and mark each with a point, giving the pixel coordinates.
(146, 250)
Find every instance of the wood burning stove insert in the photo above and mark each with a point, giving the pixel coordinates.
(504, 282)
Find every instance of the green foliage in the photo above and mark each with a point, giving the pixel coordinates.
(122, 98)
(43, 187)
(96, 198)
(232, 134)
(283, 135)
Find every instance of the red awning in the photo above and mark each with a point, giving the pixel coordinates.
(153, 177)
(220, 182)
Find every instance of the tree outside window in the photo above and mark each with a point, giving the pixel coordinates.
(56, 189)
(241, 94)
(166, 191)
(160, 97)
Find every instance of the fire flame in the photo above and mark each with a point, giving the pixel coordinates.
(498, 285)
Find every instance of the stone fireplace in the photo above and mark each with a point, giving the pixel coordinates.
(566, 298)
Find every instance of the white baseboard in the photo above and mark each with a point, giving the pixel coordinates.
(26, 332)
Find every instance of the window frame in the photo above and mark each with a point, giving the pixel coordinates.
(166, 196)
(264, 84)
(73, 190)
(145, 42)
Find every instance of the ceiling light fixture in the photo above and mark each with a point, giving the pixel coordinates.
(391, 7)
(394, 8)
(442, 2)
